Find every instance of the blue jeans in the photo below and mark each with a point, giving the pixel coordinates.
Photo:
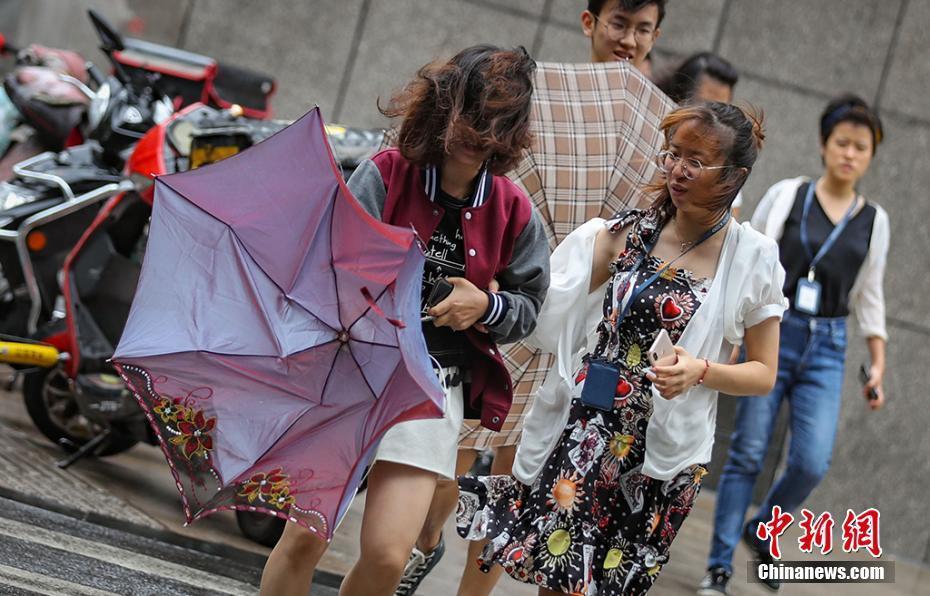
(811, 359)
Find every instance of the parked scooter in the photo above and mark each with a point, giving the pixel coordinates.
(50, 89)
(61, 192)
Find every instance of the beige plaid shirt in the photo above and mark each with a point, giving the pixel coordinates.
(596, 133)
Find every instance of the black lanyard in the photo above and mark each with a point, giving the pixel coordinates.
(635, 269)
(831, 239)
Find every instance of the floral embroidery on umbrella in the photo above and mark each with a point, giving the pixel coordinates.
(170, 410)
(283, 498)
(189, 426)
(183, 431)
(193, 437)
(272, 488)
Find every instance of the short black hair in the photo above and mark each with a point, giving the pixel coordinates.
(681, 84)
(850, 108)
(596, 6)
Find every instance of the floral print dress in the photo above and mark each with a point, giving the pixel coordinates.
(592, 523)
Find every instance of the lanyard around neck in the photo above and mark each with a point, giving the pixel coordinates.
(831, 239)
(648, 249)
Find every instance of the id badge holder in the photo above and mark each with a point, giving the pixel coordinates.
(600, 385)
(807, 297)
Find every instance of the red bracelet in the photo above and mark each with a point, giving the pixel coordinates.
(704, 374)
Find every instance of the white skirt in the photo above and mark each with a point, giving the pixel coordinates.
(431, 444)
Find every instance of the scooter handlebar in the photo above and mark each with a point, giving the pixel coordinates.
(98, 77)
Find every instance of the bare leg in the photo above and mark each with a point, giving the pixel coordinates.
(397, 502)
(475, 582)
(290, 566)
(444, 501)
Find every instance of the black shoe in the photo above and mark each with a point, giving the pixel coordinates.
(715, 582)
(418, 566)
(760, 552)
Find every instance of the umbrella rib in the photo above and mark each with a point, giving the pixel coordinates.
(332, 266)
(245, 249)
(331, 208)
(329, 375)
(373, 343)
(364, 378)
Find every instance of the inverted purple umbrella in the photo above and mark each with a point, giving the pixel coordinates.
(267, 340)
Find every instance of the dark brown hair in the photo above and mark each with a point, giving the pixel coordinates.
(479, 99)
(850, 108)
(739, 138)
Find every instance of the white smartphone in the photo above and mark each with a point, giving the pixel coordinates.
(662, 351)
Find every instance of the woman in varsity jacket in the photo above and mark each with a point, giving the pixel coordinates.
(465, 122)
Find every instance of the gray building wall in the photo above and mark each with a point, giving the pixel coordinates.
(793, 55)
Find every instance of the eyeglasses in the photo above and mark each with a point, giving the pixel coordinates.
(690, 168)
(617, 30)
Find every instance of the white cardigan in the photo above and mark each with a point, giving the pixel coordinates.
(746, 290)
(867, 295)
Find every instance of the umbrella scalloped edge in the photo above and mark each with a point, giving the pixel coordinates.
(195, 443)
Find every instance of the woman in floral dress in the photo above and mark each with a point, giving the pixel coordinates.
(598, 495)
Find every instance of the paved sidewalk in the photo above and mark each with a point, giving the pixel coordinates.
(27, 467)
(47, 552)
(134, 493)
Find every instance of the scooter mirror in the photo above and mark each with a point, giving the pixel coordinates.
(110, 40)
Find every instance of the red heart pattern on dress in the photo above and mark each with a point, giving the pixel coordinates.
(624, 388)
(669, 309)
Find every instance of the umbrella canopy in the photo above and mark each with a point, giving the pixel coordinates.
(267, 339)
(595, 136)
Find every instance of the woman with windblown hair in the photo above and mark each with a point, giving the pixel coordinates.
(465, 122)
